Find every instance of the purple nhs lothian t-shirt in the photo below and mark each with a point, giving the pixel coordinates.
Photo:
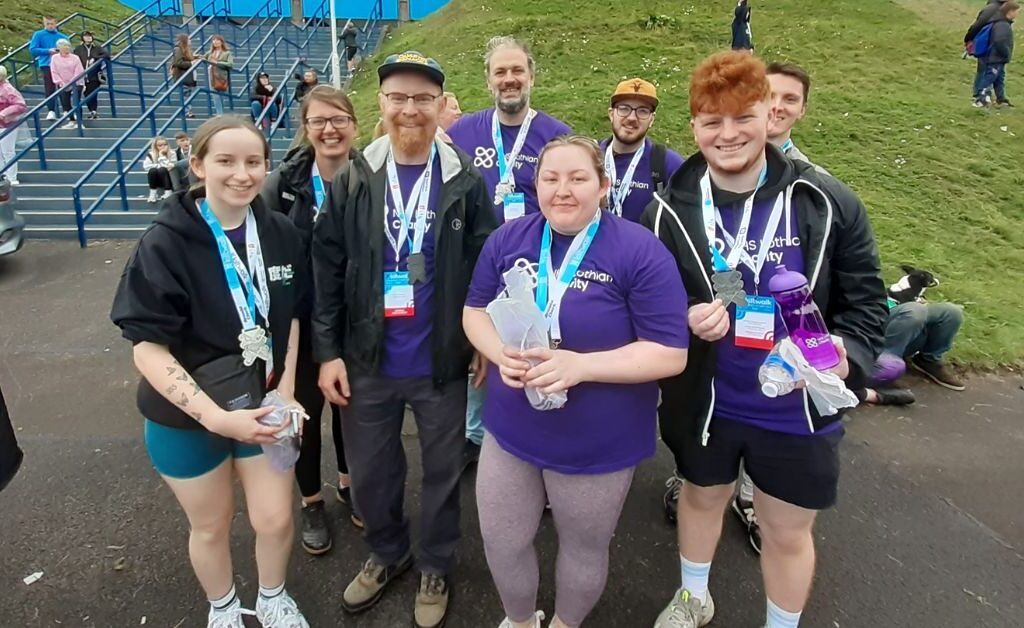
(738, 394)
(472, 133)
(627, 288)
(407, 347)
(642, 189)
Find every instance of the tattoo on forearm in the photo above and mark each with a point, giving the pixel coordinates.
(197, 416)
(195, 389)
(171, 370)
(183, 377)
(171, 389)
(184, 400)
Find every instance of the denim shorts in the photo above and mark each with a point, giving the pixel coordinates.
(185, 454)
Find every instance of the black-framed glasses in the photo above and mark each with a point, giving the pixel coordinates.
(422, 101)
(338, 122)
(642, 113)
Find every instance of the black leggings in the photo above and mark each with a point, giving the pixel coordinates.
(159, 179)
(67, 101)
(308, 394)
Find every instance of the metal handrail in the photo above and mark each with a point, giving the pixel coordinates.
(283, 113)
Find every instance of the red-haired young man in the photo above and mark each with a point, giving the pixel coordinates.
(742, 189)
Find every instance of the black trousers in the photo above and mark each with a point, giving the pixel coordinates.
(92, 99)
(67, 101)
(49, 87)
(308, 394)
(159, 179)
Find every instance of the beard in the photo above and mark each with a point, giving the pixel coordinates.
(411, 139)
(628, 136)
(513, 107)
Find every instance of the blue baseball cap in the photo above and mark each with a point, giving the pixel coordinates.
(411, 61)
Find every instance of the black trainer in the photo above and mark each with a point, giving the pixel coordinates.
(316, 534)
(745, 512)
(670, 500)
(470, 455)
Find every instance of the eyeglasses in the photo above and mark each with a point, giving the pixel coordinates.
(642, 113)
(338, 122)
(422, 101)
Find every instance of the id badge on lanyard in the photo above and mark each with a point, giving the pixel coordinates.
(514, 204)
(399, 295)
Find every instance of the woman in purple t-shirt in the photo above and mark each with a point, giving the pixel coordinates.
(620, 325)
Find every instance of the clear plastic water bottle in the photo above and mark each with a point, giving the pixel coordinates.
(803, 319)
(283, 452)
(776, 375)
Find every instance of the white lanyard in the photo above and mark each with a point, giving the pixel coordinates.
(617, 194)
(420, 195)
(506, 167)
(737, 250)
(319, 191)
(552, 284)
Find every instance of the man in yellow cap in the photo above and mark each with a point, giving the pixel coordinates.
(636, 166)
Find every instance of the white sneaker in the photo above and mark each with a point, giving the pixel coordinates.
(167, 194)
(153, 196)
(51, 116)
(686, 611)
(537, 618)
(70, 125)
(14, 182)
(230, 617)
(279, 612)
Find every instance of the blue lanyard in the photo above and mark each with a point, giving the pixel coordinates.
(499, 145)
(788, 144)
(227, 260)
(574, 257)
(319, 192)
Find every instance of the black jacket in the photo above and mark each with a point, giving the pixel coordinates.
(10, 454)
(986, 15)
(173, 291)
(261, 94)
(348, 251)
(1000, 41)
(839, 253)
(302, 88)
(92, 56)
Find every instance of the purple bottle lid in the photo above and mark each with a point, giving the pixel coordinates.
(785, 280)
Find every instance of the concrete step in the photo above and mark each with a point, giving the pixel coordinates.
(99, 218)
(55, 232)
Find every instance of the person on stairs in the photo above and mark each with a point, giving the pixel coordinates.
(92, 56)
(12, 106)
(67, 71)
(43, 46)
(158, 164)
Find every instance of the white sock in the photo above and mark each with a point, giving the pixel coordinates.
(226, 601)
(778, 618)
(269, 593)
(695, 578)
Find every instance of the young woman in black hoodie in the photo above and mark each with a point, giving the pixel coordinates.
(298, 188)
(211, 300)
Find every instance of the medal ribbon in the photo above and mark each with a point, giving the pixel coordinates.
(506, 167)
(617, 193)
(414, 217)
(550, 304)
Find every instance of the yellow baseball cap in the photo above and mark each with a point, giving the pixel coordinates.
(636, 88)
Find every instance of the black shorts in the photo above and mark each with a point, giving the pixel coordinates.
(350, 52)
(799, 470)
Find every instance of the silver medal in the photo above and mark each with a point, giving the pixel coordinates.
(254, 345)
(729, 287)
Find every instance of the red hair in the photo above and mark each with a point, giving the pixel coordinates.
(727, 83)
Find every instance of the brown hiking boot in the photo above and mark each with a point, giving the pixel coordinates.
(368, 587)
(937, 372)
(431, 601)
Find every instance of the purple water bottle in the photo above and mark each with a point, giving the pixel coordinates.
(803, 320)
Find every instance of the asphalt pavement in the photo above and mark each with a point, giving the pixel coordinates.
(927, 532)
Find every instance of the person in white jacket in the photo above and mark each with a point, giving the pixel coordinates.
(158, 164)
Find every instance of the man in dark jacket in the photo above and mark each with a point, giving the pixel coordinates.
(785, 215)
(1000, 52)
(350, 36)
(10, 455)
(393, 253)
(92, 56)
(986, 15)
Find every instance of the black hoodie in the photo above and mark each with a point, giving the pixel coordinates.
(839, 253)
(173, 292)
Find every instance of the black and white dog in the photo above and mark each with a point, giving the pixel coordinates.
(912, 285)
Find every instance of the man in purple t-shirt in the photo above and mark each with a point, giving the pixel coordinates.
(393, 254)
(637, 166)
(504, 142)
(742, 203)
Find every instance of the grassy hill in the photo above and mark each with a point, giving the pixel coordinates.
(889, 114)
(20, 18)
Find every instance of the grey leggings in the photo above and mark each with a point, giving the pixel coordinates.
(510, 495)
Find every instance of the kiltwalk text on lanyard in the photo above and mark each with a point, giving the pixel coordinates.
(504, 192)
(552, 284)
(617, 193)
(319, 191)
(399, 291)
(249, 292)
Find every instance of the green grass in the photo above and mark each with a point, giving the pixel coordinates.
(20, 18)
(889, 115)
